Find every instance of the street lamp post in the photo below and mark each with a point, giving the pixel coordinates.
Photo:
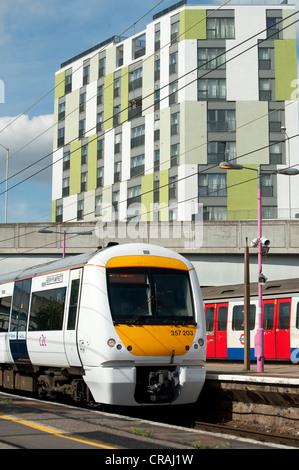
(6, 181)
(44, 230)
(259, 338)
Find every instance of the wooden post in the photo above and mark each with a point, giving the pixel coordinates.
(246, 309)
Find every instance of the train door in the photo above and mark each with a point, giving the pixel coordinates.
(70, 333)
(18, 321)
(283, 344)
(276, 324)
(216, 327)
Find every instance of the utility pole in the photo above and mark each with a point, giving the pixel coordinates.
(246, 309)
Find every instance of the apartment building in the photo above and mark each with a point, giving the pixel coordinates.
(143, 122)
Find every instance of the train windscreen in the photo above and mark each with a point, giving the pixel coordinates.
(150, 296)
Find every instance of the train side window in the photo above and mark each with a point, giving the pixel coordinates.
(47, 309)
(71, 323)
(210, 311)
(284, 316)
(297, 317)
(5, 304)
(268, 316)
(238, 317)
(222, 318)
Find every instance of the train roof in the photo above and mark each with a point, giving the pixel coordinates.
(102, 255)
(51, 266)
(237, 290)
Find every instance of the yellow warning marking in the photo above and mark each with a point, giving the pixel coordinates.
(56, 433)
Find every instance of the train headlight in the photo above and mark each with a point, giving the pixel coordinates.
(201, 342)
(111, 342)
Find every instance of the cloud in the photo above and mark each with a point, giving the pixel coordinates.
(30, 145)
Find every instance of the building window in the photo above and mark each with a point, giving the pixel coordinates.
(273, 25)
(80, 210)
(61, 111)
(209, 88)
(115, 200)
(221, 151)
(66, 160)
(137, 136)
(173, 187)
(138, 46)
(276, 119)
(116, 91)
(117, 144)
(221, 120)
(264, 58)
(157, 40)
(135, 79)
(83, 182)
(117, 172)
(100, 152)
(100, 177)
(119, 56)
(59, 213)
(102, 63)
(157, 69)
(174, 155)
(212, 185)
(116, 116)
(137, 165)
(84, 152)
(173, 63)
(211, 58)
(68, 84)
(214, 213)
(134, 194)
(86, 75)
(267, 186)
(173, 98)
(175, 32)
(100, 95)
(275, 153)
(65, 187)
(265, 89)
(100, 121)
(175, 117)
(81, 128)
(60, 141)
(82, 102)
(156, 159)
(98, 208)
(220, 28)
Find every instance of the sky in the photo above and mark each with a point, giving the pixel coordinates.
(36, 36)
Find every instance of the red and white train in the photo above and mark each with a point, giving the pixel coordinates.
(224, 311)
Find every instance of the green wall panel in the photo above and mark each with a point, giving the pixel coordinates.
(75, 168)
(285, 68)
(59, 85)
(193, 24)
(108, 101)
(147, 197)
(242, 194)
(92, 162)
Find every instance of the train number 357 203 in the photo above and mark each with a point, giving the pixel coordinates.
(181, 332)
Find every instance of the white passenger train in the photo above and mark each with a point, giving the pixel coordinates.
(123, 326)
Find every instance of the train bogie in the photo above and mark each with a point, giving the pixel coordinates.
(124, 326)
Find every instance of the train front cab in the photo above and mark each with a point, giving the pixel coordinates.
(225, 328)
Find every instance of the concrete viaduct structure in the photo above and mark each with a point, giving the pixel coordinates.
(215, 248)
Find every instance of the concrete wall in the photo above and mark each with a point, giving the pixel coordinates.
(215, 248)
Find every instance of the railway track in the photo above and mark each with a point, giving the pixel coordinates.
(249, 433)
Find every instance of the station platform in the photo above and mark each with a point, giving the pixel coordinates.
(276, 373)
(268, 398)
